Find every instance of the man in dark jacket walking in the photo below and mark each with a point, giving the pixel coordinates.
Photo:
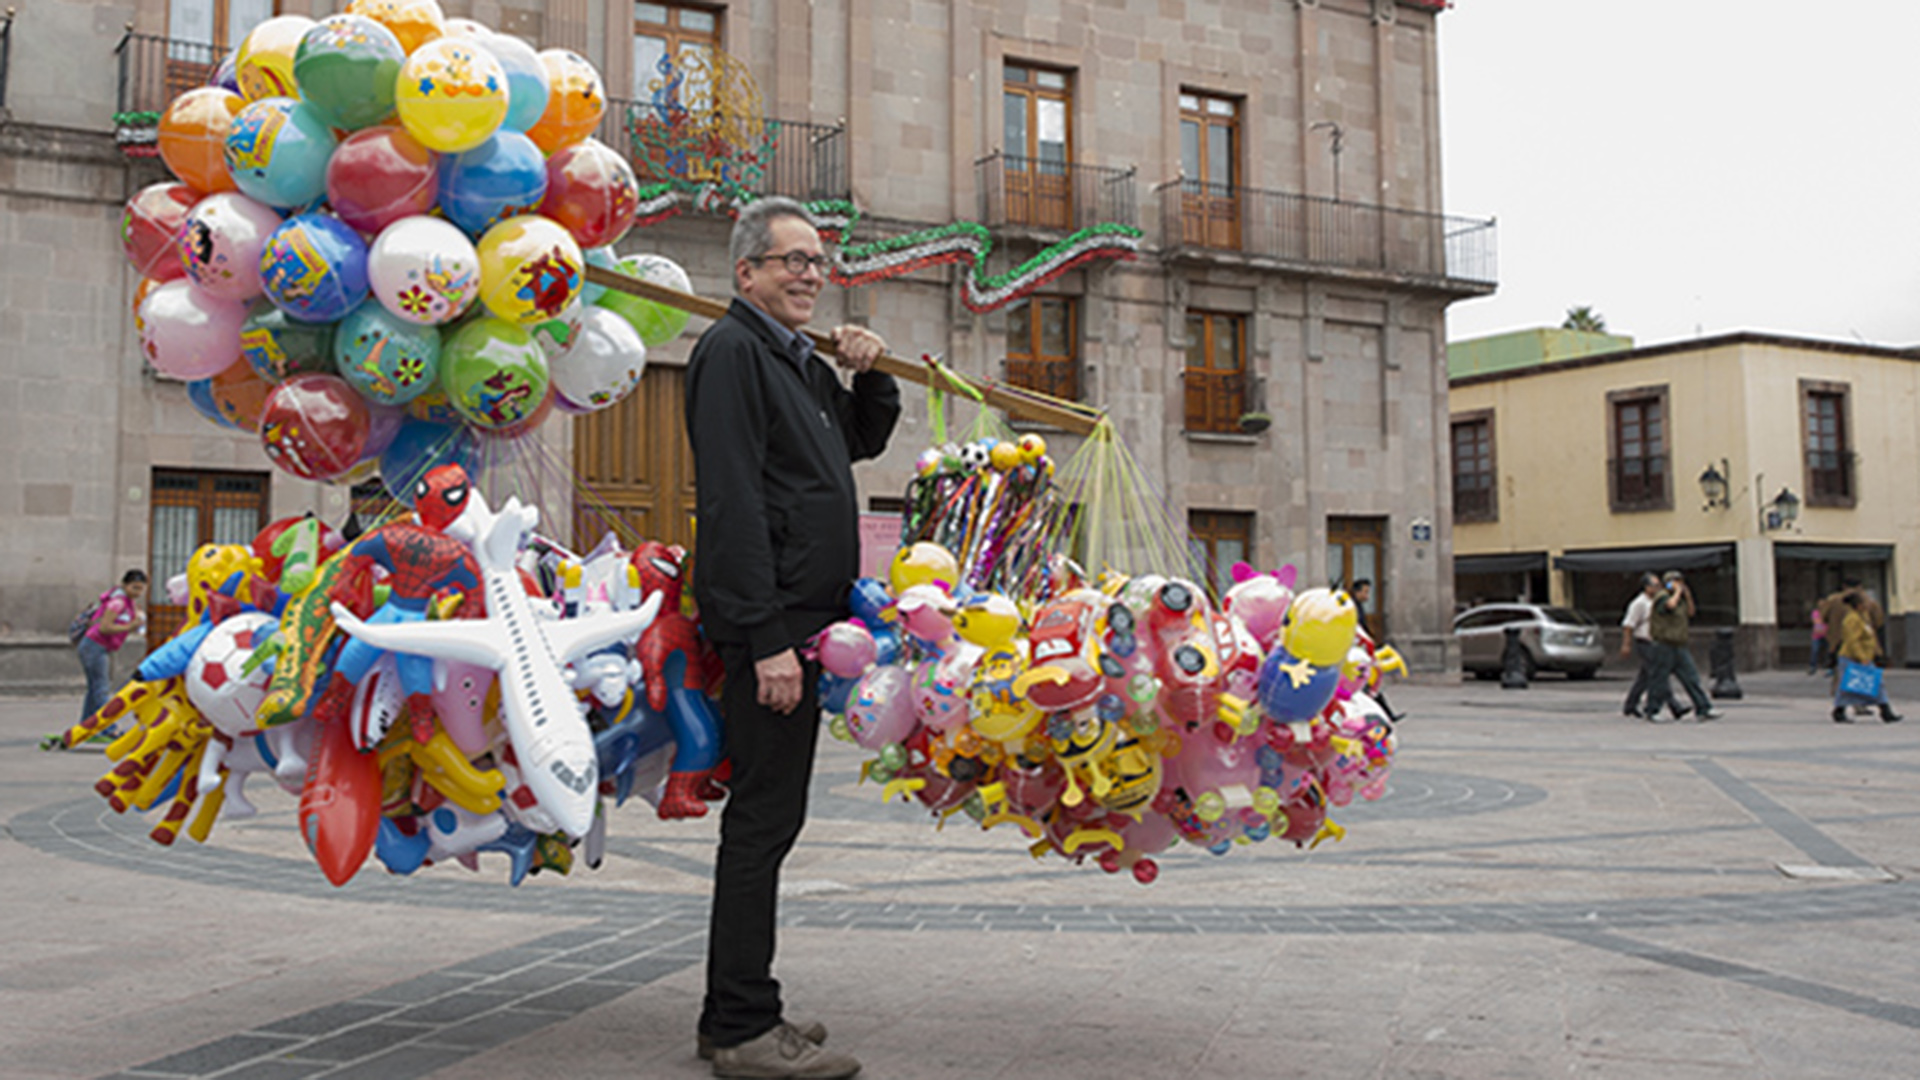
(774, 436)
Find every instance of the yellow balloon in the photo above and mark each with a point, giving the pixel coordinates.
(530, 269)
(989, 620)
(414, 22)
(264, 66)
(922, 563)
(1319, 626)
(452, 95)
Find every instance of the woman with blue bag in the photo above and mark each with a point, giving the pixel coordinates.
(1857, 680)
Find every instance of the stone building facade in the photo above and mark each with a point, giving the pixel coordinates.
(1274, 357)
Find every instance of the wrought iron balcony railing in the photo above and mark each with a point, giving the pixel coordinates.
(794, 158)
(1315, 231)
(1053, 195)
(154, 70)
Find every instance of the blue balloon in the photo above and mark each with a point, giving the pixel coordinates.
(606, 259)
(389, 360)
(200, 392)
(502, 177)
(314, 268)
(1292, 689)
(277, 151)
(527, 84)
(835, 691)
(886, 645)
(420, 445)
(870, 597)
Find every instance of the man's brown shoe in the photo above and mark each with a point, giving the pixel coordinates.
(782, 1054)
(813, 1031)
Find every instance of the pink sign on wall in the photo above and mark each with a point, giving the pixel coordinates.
(879, 539)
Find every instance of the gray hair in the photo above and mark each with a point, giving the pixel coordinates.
(753, 230)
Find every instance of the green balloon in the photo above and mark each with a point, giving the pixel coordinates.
(657, 323)
(494, 373)
(279, 346)
(346, 67)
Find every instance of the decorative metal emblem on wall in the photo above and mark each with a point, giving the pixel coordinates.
(703, 130)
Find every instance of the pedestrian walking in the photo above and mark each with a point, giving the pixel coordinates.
(1636, 640)
(1673, 612)
(1361, 592)
(774, 436)
(116, 615)
(1858, 679)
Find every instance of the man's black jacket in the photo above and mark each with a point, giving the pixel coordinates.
(777, 530)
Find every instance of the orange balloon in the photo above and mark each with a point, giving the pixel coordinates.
(414, 22)
(241, 394)
(193, 137)
(576, 99)
(140, 292)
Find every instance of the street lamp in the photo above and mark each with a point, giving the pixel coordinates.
(1713, 484)
(1783, 511)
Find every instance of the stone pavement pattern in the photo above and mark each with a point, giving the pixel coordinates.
(1548, 889)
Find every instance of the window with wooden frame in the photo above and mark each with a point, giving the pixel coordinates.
(1638, 470)
(1037, 144)
(200, 33)
(682, 31)
(1216, 373)
(1826, 439)
(1476, 493)
(1043, 353)
(1220, 538)
(1209, 170)
(191, 508)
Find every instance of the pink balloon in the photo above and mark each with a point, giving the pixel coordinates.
(881, 711)
(1206, 764)
(461, 703)
(187, 334)
(846, 649)
(221, 241)
(940, 687)
(1261, 603)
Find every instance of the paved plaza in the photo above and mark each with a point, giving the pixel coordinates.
(1548, 889)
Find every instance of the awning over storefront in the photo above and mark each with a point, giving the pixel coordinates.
(1849, 553)
(1522, 563)
(1644, 560)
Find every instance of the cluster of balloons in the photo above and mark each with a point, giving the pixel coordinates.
(373, 253)
(440, 687)
(1118, 717)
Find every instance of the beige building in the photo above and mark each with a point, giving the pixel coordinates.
(1274, 357)
(1767, 468)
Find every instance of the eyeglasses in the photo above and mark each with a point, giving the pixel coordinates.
(797, 262)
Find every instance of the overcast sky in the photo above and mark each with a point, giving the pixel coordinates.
(1690, 167)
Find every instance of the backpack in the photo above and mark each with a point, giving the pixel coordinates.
(83, 622)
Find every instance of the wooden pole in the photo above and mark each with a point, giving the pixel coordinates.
(1026, 404)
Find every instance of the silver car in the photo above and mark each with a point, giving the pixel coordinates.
(1554, 638)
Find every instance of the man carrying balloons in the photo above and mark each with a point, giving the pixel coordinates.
(774, 436)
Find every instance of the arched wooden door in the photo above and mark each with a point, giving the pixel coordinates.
(635, 466)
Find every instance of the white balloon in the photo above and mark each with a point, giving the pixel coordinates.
(424, 270)
(603, 365)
